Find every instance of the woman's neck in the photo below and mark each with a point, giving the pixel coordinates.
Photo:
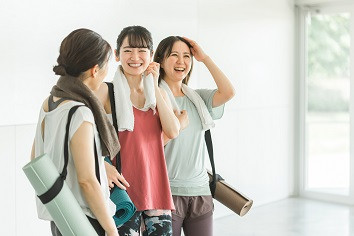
(135, 82)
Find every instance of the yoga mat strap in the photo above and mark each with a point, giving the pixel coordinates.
(66, 140)
(114, 118)
(53, 191)
(209, 144)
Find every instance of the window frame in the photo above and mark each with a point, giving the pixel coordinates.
(302, 14)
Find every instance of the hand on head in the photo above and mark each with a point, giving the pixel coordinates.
(196, 50)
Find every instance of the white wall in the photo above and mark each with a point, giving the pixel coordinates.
(315, 2)
(251, 40)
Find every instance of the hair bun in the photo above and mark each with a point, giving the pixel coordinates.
(59, 70)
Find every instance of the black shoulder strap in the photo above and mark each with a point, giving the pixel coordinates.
(114, 118)
(58, 184)
(216, 177)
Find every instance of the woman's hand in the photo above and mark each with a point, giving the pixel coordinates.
(182, 118)
(154, 69)
(197, 51)
(114, 177)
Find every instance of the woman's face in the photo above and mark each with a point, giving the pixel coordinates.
(134, 60)
(178, 64)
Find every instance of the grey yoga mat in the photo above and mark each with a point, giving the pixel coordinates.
(125, 208)
(64, 208)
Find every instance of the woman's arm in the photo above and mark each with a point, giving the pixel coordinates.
(32, 151)
(169, 122)
(82, 149)
(225, 89)
(113, 175)
(183, 120)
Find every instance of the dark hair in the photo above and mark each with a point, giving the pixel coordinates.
(138, 37)
(81, 50)
(163, 51)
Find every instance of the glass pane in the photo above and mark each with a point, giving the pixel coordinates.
(328, 94)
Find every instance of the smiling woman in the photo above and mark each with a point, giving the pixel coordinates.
(185, 155)
(143, 114)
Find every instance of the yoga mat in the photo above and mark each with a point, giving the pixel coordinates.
(230, 197)
(64, 208)
(125, 208)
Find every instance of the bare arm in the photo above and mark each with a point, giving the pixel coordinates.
(32, 151)
(82, 150)
(225, 88)
(184, 122)
(113, 175)
(169, 122)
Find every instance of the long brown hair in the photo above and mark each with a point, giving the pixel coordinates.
(164, 50)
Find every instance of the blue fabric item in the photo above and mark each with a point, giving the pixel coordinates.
(125, 208)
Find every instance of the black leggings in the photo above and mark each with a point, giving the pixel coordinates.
(156, 222)
(95, 224)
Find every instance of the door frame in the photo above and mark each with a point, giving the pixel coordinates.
(302, 13)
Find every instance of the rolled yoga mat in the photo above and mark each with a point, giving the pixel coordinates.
(230, 197)
(64, 208)
(125, 208)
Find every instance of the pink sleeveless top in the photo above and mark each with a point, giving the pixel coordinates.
(143, 163)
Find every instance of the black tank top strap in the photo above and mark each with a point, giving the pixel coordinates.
(52, 105)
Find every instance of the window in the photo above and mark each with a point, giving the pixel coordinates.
(326, 113)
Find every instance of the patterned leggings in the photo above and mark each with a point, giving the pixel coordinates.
(156, 222)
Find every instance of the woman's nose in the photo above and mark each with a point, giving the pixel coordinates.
(180, 59)
(134, 55)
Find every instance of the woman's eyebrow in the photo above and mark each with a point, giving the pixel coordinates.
(183, 52)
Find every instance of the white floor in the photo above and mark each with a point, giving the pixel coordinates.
(290, 217)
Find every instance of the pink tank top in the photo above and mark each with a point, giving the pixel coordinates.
(143, 163)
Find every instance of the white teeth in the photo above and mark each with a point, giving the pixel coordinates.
(179, 69)
(135, 65)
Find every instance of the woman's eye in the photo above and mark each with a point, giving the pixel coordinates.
(142, 50)
(127, 51)
(187, 56)
(173, 55)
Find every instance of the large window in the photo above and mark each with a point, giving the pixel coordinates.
(327, 107)
(328, 98)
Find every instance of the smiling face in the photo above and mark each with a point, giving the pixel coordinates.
(178, 64)
(134, 60)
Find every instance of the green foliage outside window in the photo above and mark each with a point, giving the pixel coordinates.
(328, 62)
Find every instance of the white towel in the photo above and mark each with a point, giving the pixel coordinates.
(205, 117)
(124, 106)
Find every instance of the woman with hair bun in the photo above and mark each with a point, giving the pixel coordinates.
(82, 66)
